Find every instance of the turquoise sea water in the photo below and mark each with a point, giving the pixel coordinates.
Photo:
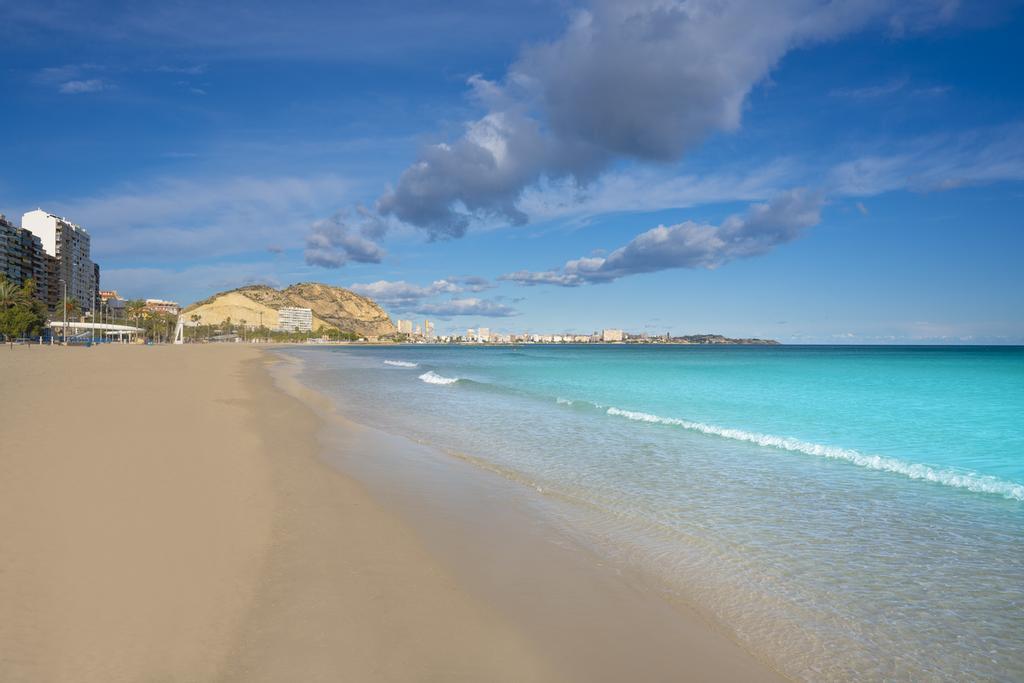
(846, 512)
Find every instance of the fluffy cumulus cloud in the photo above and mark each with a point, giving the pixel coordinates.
(345, 237)
(690, 244)
(644, 80)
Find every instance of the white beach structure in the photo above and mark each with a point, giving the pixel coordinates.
(95, 330)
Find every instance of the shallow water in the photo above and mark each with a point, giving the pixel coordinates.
(846, 512)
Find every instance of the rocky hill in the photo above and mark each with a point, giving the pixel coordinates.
(333, 307)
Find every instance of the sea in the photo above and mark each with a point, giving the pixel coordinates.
(843, 512)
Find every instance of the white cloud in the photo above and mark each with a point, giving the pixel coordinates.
(78, 87)
(195, 281)
(690, 244)
(645, 80)
(871, 91)
(404, 295)
(344, 237)
(203, 218)
(468, 306)
(934, 163)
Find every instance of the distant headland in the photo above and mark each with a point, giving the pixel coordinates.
(316, 311)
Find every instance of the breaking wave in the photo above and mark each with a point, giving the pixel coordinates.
(431, 377)
(401, 364)
(971, 481)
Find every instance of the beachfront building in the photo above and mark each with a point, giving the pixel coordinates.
(405, 327)
(69, 244)
(111, 304)
(613, 336)
(428, 329)
(483, 334)
(291, 319)
(162, 306)
(22, 258)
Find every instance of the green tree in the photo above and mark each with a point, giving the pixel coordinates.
(21, 314)
(71, 307)
(10, 293)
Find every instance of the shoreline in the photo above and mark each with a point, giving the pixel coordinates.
(523, 552)
(180, 519)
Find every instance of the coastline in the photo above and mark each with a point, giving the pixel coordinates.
(520, 551)
(180, 523)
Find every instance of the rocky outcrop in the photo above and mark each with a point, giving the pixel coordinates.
(333, 307)
(342, 309)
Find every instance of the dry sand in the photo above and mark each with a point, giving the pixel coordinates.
(165, 516)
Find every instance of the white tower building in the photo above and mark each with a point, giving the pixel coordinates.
(70, 244)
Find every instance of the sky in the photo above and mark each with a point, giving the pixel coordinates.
(804, 170)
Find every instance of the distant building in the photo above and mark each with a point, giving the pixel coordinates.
(405, 327)
(161, 306)
(470, 334)
(111, 303)
(612, 335)
(291, 319)
(428, 329)
(484, 334)
(70, 245)
(22, 258)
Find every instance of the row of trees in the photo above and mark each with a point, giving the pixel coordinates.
(21, 313)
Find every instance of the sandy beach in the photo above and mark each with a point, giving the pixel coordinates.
(173, 514)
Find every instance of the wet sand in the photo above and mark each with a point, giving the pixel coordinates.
(172, 513)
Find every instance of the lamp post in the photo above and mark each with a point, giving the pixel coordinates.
(64, 333)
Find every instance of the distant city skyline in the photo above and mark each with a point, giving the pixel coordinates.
(853, 175)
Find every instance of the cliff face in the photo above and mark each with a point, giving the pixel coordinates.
(332, 307)
(340, 308)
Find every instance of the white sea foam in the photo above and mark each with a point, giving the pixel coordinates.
(401, 364)
(431, 377)
(563, 401)
(979, 483)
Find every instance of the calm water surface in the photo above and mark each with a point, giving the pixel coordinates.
(848, 512)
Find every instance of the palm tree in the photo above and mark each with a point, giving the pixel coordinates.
(133, 309)
(10, 294)
(71, 307)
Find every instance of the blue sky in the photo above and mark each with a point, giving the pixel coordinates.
(803, 170)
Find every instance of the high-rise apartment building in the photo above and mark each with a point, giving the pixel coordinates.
(290, 319)
(22, 257)
(612, 335)
(428, 329)
(405, 327)
(70, 245)
(483, 334)
(162, 306)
